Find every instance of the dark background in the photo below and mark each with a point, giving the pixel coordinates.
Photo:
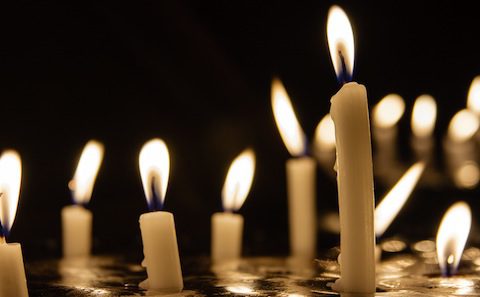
(197, 74)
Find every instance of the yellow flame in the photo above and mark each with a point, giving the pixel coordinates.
(340, 40)
(424, 115)
(287, 123)
(238, 181)
(473, 100)
(10, 180)
(452, 236)
(325, 134)
(87, 169)
(393, 202)
(467, 175)
(388, 111)
(463, 126)
(154, 162)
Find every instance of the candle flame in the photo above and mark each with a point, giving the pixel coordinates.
(463, 126)
(340, 42)
(287, 123)
(154, 163)
(424, 115)
(452, 236)
(473, 99)
(388, 111)
(393, 202)
(325, 134)
(87, 169)
(238, 181)
(10, 180)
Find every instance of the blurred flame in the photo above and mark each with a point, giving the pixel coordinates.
(393, 202)
(10, 180)
(154, 162)
(424, 115)
(238, 181)
(240, 289)
(452, 236)
(325, 134)
(473, 99)
(340, 41)
(287, 123)
(388, 111)
(463, 126)
(87, 169)
(467, 175)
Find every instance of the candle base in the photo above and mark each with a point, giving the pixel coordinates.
(13, 282)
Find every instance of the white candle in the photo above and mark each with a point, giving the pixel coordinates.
(349, 112)
(227, 227)
(76, 219)
(12, 272)
(159, 238)
(301, 176)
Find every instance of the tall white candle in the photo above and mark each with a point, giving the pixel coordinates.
(301, 175)
(159, 238)
(349, 110)
(76, 219)
(12, 272)
(227, 227)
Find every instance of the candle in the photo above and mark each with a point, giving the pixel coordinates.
(424, 115)
(12, 272)
(76, 219)
(227, 227)
(158, 227)
(349, 110)
(301, 177)
(324, 145)
(473, 98)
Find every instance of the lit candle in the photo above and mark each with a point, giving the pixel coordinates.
(12, 272)
(158, 227)
(424, 115)
(473, 98)
(227, 227)
(76, 219)
(301, 177)
(324, 145)
(349, 110)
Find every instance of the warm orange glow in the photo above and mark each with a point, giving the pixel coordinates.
(154, 162)
(467, 175)
(388, 111)
(473, 100)
(287, 123)
(238, 181)
(10, 181)
(424, 115)
(452, 236)
(463, 126)
(325, 134)
(87, 169)
(393, 202)
(340, 40)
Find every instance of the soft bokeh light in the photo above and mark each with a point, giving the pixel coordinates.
(473, 99)
(463, 126)
(238, 181)
(10, 181)
(424, 116)
(467, 175)
(325, 134)
(340, 41)
(388, 111)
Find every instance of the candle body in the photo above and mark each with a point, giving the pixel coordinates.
(349, 112)
(77, 231)
(12, 272)
(227, 233)
(161, 252)
(301, 180)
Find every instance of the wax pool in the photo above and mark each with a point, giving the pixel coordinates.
(77, 231)
(227, 232)
(13, 282)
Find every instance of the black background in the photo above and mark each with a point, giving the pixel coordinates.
(197, 74)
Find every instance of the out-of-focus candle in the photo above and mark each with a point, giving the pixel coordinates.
(13, 282)
(473, 99)
(227, 227)
(349, 110)
(301, 177)
(76, 219)
(158, 227)
(424, 115)
(324, 144)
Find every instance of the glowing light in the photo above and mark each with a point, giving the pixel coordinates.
(87, 169)
(452, 236)
(473, 99)
(388, 111)
(244, 290)
(154, 162)
(10, 181)
(287, 123)
(467, 175)
(340, 42)
(238, 181)
(325, 134)
(424, 115)
(393, 202)
(463, 126)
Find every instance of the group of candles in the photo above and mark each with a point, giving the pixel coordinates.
(347, 132)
